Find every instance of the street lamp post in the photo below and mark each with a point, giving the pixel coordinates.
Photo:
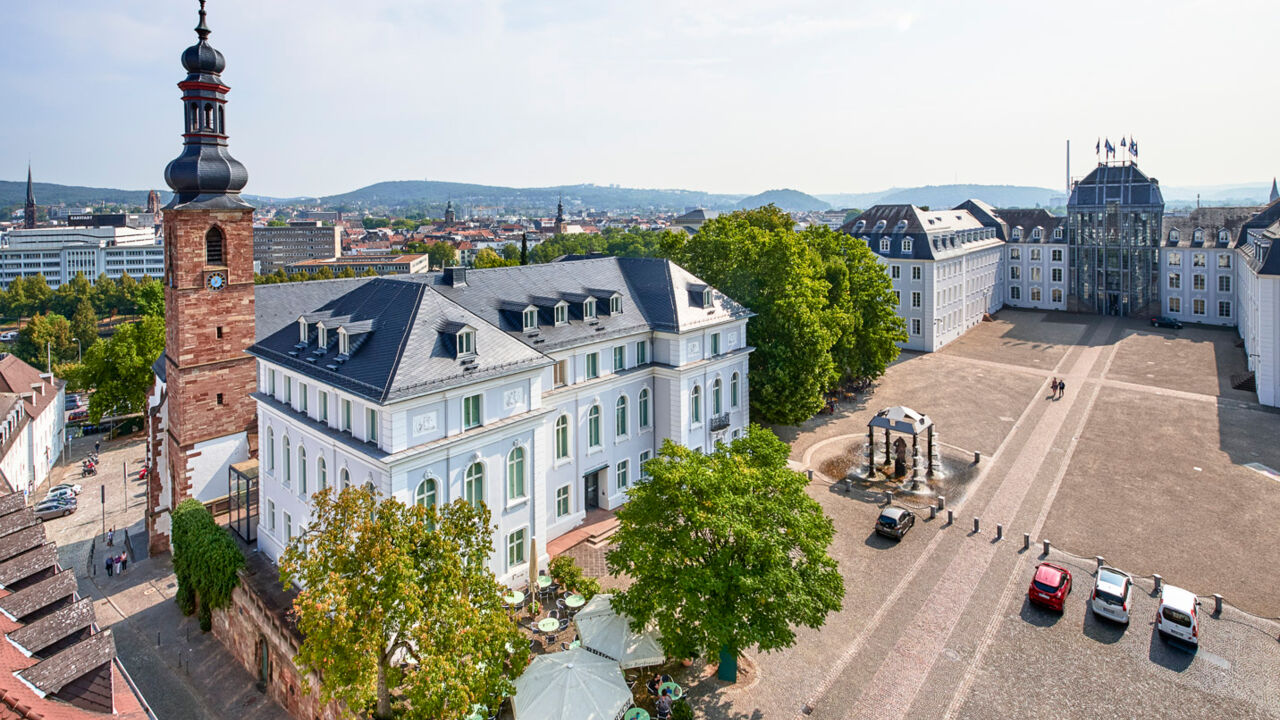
(79, 351)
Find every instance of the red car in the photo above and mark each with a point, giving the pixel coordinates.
(1050, 586)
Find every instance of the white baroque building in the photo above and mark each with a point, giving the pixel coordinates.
(540, 390)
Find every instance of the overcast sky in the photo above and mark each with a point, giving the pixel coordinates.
(718, 95)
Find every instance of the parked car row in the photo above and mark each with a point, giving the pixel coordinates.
(60, 501)
(1177, 614)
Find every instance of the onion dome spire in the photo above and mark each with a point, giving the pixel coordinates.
(205, 176)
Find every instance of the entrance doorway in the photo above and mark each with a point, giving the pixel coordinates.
(591, 489)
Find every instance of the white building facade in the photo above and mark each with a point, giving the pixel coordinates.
(60, 253)
(539, 390)
(33, 425)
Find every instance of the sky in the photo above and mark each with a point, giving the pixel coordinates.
(733, 96)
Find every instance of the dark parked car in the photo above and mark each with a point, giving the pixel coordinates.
(52, 509)
(1166, 321)
(894, 522)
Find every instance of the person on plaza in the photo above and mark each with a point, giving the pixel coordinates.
(1053, 388)
(111, 537)
(96, 445)
(124, 561)
(117, 563)
(1062, 387)
(110, 564)
(663, 706)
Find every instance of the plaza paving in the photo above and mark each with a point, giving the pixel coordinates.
(1141, 461)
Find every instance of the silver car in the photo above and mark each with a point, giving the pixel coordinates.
(1112, 594)
(52, 509)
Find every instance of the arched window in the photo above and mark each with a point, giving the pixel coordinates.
(222, 124)
(593, 426)
(344, 479)
(473, 484)
(695, 405)
(322, 474)
(562, 437)
(715, 397)
(288, 474)
(271, 450)
(208, 115)
(426, 493)
(644, 408)
(733, 391)
(193, 117)
(620, 416)
(302, 471)
(515, 473)
(214, 247)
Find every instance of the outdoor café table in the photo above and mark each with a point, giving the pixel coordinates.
(636, 714)
(548, 625)
(575, 601)
(544, 581)
(515, 597)
(676, 692)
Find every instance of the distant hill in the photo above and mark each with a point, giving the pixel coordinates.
(15, 193)
(940, 196)
(1239, 194)
(409, 193)
(787, 199)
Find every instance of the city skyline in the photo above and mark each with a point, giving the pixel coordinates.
(324, 101)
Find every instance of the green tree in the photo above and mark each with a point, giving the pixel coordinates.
(38, 295)
(726, 550)
(128, 294)
(206, 561)
(45, 337)
(120, 367)
(148, 298)
(398, 601)
(347, 272)
(371, 223)
(510, 251)
(277, 223)
(369, 272)
(756, 258)
(67, 297)
(487, 258)
(107, 297)
(324, 273)
(442, 254)
(84, 325)
(15, 298)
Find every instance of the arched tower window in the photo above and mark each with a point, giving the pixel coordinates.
(208, 115)
(214, 247)
(222, 121)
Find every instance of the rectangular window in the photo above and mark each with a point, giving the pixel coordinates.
(621, 472)
(466, 343)
(1197, 259)
(288, 389)
(642, 352)
(515, 548)
(470, 412)
(1224, 283)
(715, 343)
(560, 375)
(1175, 305)
(271, 382)
(906, 246)
(1015, 292)
(562, 501)
(1015, 272)
(1175, 259)
(895, 271)
(324, 406)
(1175, 281)
(1197, 306)
(562, 314)
(288, 529)
(593, 365)
(897, 297)
(1035, 294)
(1197, 281)
(1015, 253)
(1056, 254)
(644, 458)
(1224, 260)
(346, 415)
(1056, 274)
(1035, 274)
(1224, 308)
(271, 515)
(620, 358)
(371, 425)
(915, 272)
(915, 326)
(1035, 254)
(530, 319)
(302, 400)
(915, 299)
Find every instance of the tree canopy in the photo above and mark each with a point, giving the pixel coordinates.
(399, 600)
(488, 258)
(45, 337)
(206, 561)
(727, 551)
(120, 367)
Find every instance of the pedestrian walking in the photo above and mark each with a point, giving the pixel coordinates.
(1053, 388)
(110, 564)
(1062, 387)
(96, 444)
(111, 537)
(124, 561)
(116, 562)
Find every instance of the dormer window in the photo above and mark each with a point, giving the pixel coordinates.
(530, 318)
(466, 343)
(302, 330)
(1222, 236)
(344, 342)
(900, 227)
(1037, 233)
(589, 308)
(1017, 234)
(859, 226)
(884, 244)
(706, 298)
(1173, 236)
(322, 335)
(906, 246)
(880, 226)
(615, 304)
(562, 313)
(1057, 233)
(1198, 236)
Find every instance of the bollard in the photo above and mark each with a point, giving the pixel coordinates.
(1159, 581)
(888, 497)
(1217, 604)
(977, 526)
(1026, 541)
(999, 531)
(950, 517)
(1101, 560)
(933, 512)
(977, 456)
(1046, 547)
(942, 502)
(810, 475)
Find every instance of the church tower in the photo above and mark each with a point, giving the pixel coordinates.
(448, 214)
(560, 216)
(208, 288)
(29, 210)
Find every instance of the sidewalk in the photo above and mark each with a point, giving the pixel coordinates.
(182, 672)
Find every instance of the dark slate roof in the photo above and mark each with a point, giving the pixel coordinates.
(934, 234)
(1264, 227)
(278, 305)
(36, 599)
(158, 367)
(1212, 220)
(88, 657)
(398, 318)
(1029, 220)
(696, 215)
(51, 633)
(1119, 183)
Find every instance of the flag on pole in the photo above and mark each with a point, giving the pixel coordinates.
(1122, 141)
(1111, 149)
(1097, 149)
(1133, 147)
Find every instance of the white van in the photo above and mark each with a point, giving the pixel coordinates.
(1177, 616)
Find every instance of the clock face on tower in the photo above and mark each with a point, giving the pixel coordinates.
(216, 281)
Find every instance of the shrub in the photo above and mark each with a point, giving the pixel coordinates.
(681, 710)
(186, 598)
(205, 559)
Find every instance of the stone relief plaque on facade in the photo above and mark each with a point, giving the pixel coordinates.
(425, 423)
(513, 397)
(694, 347)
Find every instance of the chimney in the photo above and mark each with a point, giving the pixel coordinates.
(455, 276)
